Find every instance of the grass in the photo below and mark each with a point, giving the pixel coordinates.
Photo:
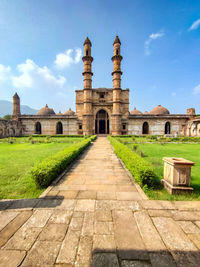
(16, 161)
(154, 153)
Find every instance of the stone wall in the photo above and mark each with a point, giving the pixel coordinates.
(157, 124)
(49, 123)
(9, 128)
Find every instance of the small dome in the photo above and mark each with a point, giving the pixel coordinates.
(69, 112)
(59, 113)
(135, 112)
(146, 112)
(16, 96)
(160, 110)
(46, 111)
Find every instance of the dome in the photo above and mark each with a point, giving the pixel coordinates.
(146, 112)
(59, 113)
(46, 111)
(117, 41)
(87, 41)
(160, 110)
(135, 112)
(69, 112)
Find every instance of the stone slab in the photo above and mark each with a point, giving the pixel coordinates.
(11, 258)
(39, 218)
(85, 205)
(103, 215)
(60, 216)
(6, 217)
(83, 258)
(53, 232)
(189, 227)
(103, 243)
(105, 260)
(88, 224)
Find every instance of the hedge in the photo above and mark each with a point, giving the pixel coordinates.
(49, 169)
(141, 170)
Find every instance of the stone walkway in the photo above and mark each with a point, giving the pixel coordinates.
(95, 216)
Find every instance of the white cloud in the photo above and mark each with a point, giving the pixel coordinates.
(195, 25)
(151, 38)
(196, 90)
(35, 77)
(64, 60)
(4, 72)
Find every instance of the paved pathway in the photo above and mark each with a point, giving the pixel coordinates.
(95, 216)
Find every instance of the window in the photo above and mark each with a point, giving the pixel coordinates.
(86, 52)
(167, 128)
(80, 126)
(145, 128)
(117, 52)
(101, 95)
(124, 126)
(59, 128)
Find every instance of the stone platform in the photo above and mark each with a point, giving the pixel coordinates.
(96, 216)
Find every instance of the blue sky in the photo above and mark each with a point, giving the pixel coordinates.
(42, 42)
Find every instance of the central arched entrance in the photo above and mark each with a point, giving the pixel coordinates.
(102, 122)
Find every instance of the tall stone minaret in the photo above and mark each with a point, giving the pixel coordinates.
(16, 107)
(87, 74)
(116, 114)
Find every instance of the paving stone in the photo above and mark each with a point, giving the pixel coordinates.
(104, 228)
(162, 259)
(13, 226)
(4, 204)
(128, 196)
(104, 260)
(126, 263)
(195, 239)
(117, 204)
(69, 248)
(49, 203)
(128, 239)
(198, 223)
(151, 204)
(88, 224)
(87, 194)
(53, 193)
(103, 243)
(103, 215)
(85, 205)
(39, 218)
(23, 239)
(182, 249)
(187, 205)
(60, 216)
(76, 223)
(78, 214)
(159, 213)
(11, 258)
(67, 204)
(189, 227)
(185, 215)
(43, 253)
(106, 195)
(68, 194)
(84, 252)
(6, 217)
(53, 232)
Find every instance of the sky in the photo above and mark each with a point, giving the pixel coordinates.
(41, 47)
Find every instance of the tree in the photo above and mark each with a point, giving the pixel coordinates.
(7, 117)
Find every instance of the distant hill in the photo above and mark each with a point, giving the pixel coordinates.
(6, 108)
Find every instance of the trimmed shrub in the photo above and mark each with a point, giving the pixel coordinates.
(141, 170)
(49, 169)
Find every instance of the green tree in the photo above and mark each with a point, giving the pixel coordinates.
(7, 117)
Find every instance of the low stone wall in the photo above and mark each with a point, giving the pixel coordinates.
(9, 128)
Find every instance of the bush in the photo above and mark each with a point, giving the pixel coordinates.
(141, 170)
(49, 169)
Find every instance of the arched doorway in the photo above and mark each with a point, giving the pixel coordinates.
(167, 128)
(102, 122)
(145, 128)
(38, 128)
(59, 128)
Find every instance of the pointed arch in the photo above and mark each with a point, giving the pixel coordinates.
(167, 128)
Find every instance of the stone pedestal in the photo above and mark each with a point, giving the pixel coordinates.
(177, 172)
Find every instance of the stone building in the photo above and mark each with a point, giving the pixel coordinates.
(105, 110)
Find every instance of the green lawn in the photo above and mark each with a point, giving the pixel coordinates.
(154, 154)
(17, 159)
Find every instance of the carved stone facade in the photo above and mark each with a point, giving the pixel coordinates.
(10, 128)
(105, 110)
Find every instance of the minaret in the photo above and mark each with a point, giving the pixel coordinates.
(16, 107)
(116, 114)
(87, 74)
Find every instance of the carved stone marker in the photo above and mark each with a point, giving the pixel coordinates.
(177, 172)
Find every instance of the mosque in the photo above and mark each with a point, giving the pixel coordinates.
(101, 111)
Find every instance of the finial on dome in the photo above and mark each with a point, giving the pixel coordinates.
(117, 41)
(87, 41)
